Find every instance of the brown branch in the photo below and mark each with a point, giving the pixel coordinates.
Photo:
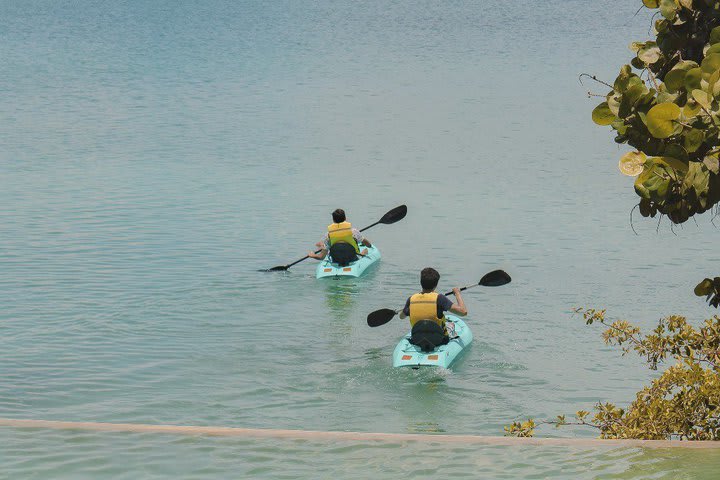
(594, 78)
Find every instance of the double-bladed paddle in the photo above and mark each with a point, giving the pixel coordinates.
(394, 215)
(495, 278)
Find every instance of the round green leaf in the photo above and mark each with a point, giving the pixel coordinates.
(693, 139)
(664, 162)
(629, 98)
(649, 53)
(631, 164)
(668, 9)
(675, 80)
(660, 119)
(651, 3)
(715, 36)
(712, 163)
(713, 49)
(652, 185)
(666, 97)
(714, 83)
(691, 108)
(602, 114)
(704, 288)
(686, 65)
(620, 126)
(702, 97)
(692, 79)
(623, 84)
(710, 64)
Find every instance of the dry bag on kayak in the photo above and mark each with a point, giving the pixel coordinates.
(342, 253)
(428, 335)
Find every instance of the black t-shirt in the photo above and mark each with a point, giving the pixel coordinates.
(443, 305)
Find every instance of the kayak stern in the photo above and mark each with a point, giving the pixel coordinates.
(409, 355)
(326, 268)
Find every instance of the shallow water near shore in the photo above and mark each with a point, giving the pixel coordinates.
(158, 154)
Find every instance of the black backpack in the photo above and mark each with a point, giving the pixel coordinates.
(343, 253)
(428, 335)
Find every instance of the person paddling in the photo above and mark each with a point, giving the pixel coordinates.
(341, 232)
(431, 306)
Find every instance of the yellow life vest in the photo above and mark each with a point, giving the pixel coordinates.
(342, 232)
(423, 306)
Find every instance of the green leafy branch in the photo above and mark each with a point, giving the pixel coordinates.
(672, 119)
(683, 402)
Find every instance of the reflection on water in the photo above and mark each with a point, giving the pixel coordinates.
(341, 294)
(424, 427)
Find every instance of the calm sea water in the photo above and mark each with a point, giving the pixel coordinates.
(155, 155)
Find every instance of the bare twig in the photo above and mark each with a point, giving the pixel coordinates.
(631, 219)
(652, 79)
(594, 78)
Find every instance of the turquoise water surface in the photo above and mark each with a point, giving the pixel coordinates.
(156, 155)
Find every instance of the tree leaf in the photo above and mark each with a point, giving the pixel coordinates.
(693, 139)
(715, 36)
(704, 288)
(702, 97)
(631, 164)
(712, 163)
(660, 119)
(649, 54)
(675, 79)
(691, 108)
(602, 114)
(668, 9)
(710, 64)
(630, 98)
(692, 79)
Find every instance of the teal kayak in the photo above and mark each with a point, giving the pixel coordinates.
(326, 268)
(408, 355)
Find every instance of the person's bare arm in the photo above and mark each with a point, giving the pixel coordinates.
(318, 256)
(402, 310)
(459, 307)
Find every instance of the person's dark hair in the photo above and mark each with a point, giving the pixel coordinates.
(338, 215)
(429, 278)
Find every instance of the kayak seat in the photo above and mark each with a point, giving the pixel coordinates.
(428, 335)
(343, 253)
